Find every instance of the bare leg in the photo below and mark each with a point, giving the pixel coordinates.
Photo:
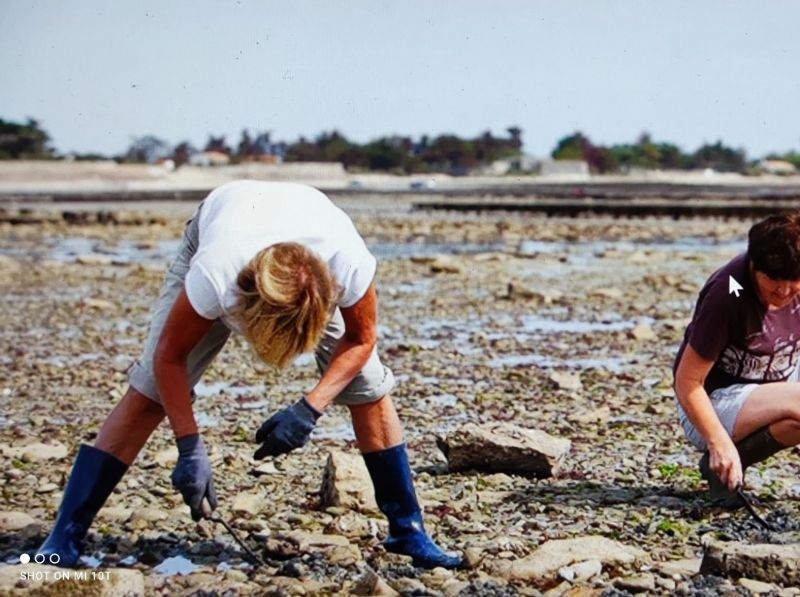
(380, 439)
(376, 425)
(129, 425)
(776, 405)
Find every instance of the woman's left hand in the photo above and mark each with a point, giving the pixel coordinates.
(287, 429)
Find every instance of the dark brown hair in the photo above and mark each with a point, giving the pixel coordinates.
(774, 246)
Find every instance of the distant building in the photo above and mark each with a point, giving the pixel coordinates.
(563, 168)
(209, 158)
(777, 167)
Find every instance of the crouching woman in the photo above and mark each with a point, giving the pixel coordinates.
(736, 372)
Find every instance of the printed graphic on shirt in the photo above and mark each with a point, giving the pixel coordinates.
(747, 365)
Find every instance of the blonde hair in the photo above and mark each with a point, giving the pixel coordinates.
(287, 295)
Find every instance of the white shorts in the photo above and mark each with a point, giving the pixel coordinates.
(727, 403)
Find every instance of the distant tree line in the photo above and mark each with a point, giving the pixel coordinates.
(647, 154)
(24, 141)
(401, 154)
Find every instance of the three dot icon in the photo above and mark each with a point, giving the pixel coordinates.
(40, 558)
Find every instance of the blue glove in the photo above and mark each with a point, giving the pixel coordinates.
(287, 429)
(192, 475)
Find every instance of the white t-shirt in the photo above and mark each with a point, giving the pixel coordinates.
(239, 219)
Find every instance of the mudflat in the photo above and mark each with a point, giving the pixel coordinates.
(569, 326)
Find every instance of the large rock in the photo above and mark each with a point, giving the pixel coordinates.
(503, 447)
(347, 484)
(50, 581)
(543, 565)
(779, 564)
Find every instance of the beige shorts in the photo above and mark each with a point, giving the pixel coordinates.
(372, 383)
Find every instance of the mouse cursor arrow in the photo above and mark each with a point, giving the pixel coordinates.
(733, 286)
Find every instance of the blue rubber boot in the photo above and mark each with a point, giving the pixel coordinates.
(93, 478)
(394, 493)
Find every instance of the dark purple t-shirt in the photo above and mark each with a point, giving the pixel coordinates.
(747, 342)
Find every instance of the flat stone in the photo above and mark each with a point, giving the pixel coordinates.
(46, 488)
(248, 503)
(346, 483)
(638, 583)
(582, 591)
(473, 556)
(148, 515)
(517, 290)
(453, 587)
(503, 447)
(642, 332)
(236, 575)
(351, 524)
(344, 555)
(15, 521)
(581, 571)
(115, 514)
(756, 586)
(680, 568)
(43, 452)
(168, 457)
(600, 414)
(94, 259)
(612, 293)
(772, 563)
(265, 468)
(50, 581)
(370, 583)
(543, 564)
(566, 380)
(444, 264)
(98, 304)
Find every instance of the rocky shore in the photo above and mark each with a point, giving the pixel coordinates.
(563, 326)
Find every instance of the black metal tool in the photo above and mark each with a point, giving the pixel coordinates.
(251, 554)
(752, 511)
(208, 513)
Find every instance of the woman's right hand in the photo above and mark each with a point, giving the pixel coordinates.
(726, 464)
(193, 478)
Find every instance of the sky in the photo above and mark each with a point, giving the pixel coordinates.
(97, 74)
